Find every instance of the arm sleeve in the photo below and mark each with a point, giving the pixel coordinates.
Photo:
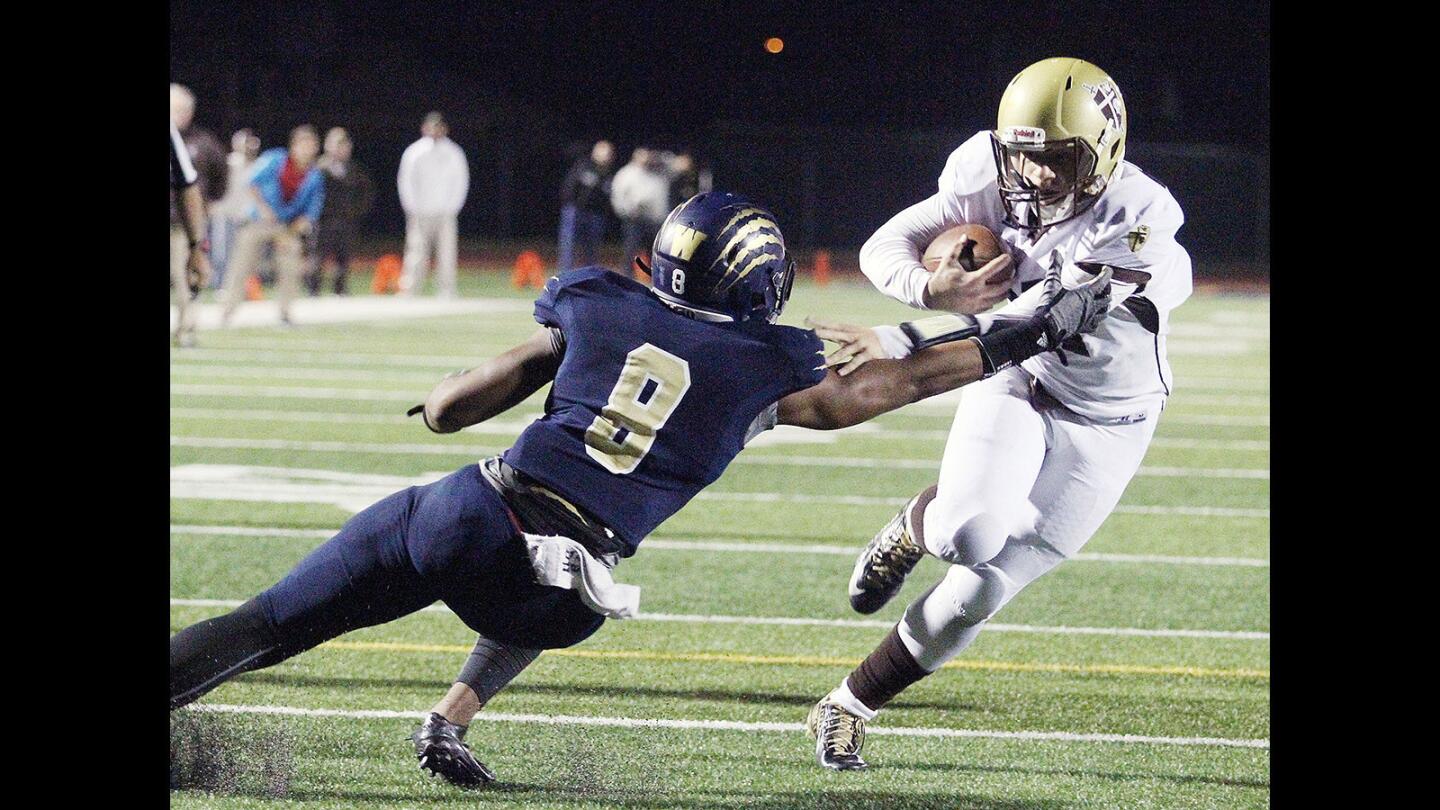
(890, 258)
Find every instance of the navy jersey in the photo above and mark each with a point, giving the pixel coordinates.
(649, 406)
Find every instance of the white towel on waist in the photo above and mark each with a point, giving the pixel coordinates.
(564, 563)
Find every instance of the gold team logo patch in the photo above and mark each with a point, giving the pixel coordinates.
(1136, 238)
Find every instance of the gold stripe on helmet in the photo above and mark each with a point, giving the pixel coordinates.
(742, 232)
(755, 262)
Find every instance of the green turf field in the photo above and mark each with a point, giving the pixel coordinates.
(1159, 630)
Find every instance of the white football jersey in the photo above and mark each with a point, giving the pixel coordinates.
(1123, 373)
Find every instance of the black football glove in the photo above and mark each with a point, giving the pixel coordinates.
(1074, 312)
(1069, 314)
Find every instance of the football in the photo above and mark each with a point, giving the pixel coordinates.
(983, 247)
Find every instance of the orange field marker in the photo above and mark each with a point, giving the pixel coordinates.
(822, 267)
(529, 271)
(387, 274)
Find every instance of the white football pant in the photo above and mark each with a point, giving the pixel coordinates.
(1021, 489)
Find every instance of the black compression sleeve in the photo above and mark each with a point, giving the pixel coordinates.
(1004, 347)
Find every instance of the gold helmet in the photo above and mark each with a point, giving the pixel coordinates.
(1058, 140)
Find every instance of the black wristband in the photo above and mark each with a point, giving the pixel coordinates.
(1004, 347)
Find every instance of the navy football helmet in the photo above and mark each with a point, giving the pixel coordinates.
(720, 254)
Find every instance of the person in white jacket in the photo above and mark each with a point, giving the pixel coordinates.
(640, 197)
(432, 182)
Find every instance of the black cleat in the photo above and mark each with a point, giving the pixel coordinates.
(889, 558)
(839, 736)
(440, 748)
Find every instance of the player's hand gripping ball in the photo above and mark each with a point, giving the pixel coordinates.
(976, 246)
(970, 271)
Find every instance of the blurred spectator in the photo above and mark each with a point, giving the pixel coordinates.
(288, 195)
(684, 179)
(584, 201)
(640, 195)
(234, 208)
(208, 159)
(348, 194)
(433, 181)
(189, 276)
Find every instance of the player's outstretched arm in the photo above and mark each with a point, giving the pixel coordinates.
(947, 358)
(470, 397)
(881, 386)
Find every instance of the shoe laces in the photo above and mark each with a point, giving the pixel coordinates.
(890, 558)
(842, 732)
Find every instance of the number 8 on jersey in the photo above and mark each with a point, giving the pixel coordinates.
(650, 388)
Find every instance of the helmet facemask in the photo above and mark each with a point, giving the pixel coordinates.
(1032, 203)
(781, 280)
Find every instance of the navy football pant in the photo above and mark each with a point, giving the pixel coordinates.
(452, 540)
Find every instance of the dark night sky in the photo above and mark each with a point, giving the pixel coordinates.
(525, 79)
(1193, 72)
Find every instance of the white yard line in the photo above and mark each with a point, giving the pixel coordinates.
(1192, 329)
(297, 392)
(735, 725)
(790, 621)
(347, 310)
(513, 426)
(321, 359)
(279, 361)
(916, 411)
(389, 448)
(1216, 420)
(356, 491)
(308, 367)
(294, 373)
(668, 544)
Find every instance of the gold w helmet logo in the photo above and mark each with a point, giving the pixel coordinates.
(684, 241)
